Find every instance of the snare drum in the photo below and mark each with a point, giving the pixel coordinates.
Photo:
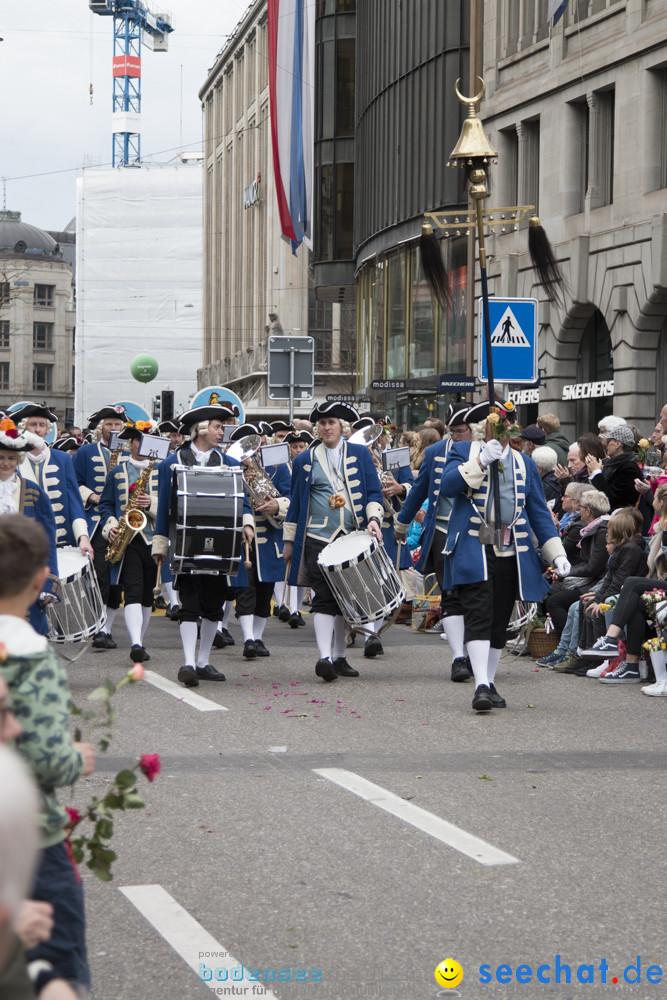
(206, 520)
(362, 577)
(80, 614)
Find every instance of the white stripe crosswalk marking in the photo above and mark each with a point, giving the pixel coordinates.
(183, 693)
(188, 938)
(475, 848)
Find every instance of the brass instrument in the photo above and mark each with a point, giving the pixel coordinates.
(114, 456)
(260, 488)
(368, 436)
(132, 520)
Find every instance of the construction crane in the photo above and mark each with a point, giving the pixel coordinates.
(131, 20)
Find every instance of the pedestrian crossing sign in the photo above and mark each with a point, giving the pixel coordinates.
(513, 341)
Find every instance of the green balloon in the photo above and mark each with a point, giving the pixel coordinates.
(144, 368)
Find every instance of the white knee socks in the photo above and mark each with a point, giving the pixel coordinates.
(455, 632)
(188, 632)
(247, 624)
(494, 660)
(146, 617)
(296, 596)
(324, 630)
(111, 614)
(339, 642)
(206, 636)
(133, 622)
(258, 626)
(478, 651)
(228, 608)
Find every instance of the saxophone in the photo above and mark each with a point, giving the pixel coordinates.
(113, 458)
(132, 520)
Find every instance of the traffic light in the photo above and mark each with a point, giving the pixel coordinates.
(167, 405)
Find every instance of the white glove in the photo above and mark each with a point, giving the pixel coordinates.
(562, 566)
(491, 452)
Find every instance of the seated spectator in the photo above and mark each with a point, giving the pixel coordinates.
(550, 424)
(570, 523)
(545, 459)
(629, 613)
(590, 566)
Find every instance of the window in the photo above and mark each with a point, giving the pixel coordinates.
(4, 293)
(42, 378)
(4, 374)
(320, 327)
(42, 336)
(4, 333)
(44, 295)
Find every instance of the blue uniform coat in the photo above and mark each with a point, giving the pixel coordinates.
(33, 502)
(58, 480)
(426, 487)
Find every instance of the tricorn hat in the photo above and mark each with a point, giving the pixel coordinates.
(343, 411)
(116, 412)
(33, 410)
(214, 411)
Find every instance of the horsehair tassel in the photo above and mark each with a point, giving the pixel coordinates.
(435, 271)
(545, 264)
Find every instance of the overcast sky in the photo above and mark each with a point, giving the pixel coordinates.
(52, 51)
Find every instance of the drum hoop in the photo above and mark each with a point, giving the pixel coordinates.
(353, 561)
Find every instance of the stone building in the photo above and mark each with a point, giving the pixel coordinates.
(578, 114)
(253, 284)
(36, 318)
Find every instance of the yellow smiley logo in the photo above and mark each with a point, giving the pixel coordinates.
(448, 973)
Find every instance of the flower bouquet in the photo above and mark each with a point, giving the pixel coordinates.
(502, 425)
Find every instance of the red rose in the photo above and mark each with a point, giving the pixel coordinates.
(133, 487)
(75, 817)
(150, 765)
(12, 433)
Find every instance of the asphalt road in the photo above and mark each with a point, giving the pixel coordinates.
(284, 869)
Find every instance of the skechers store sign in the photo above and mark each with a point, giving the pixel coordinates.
(588, 390)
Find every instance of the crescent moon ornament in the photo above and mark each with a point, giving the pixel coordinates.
(470, 100)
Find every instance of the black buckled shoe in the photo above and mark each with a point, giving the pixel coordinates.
(373, 646)
(147, 655)
(209, 673)
(219, 641)
(481, 701)
(496, 700)
(249, 649)
(260, 648)
(293, 620)
(283, 613)
(325, 669)
(137, 654)
(461, 669)
(343, 668)
(188, 676)
(229, 639)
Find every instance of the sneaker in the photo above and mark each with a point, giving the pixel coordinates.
(561, 658)
(599, 670)
(436, 629)
(626, 673)
(616, 662)
(657, 690)
(604, 647)
(549, 659)
(570, 660)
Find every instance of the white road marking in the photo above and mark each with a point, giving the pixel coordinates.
(188, 938)
(183, 693)
(453, 836)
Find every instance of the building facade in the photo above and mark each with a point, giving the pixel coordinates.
(578, 114)
(384, 128)
(253, 284)
(37, 315)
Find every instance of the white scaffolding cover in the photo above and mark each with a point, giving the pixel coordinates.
(139, 249)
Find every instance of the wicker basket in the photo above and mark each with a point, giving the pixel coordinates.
(541, 643)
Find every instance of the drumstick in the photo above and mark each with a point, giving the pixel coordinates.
(247, 564)
(158, 583)
(282, 600)
(398, 555)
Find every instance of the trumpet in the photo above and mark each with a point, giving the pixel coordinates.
(260, 487)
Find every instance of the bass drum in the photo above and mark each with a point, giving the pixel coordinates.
(206, 520)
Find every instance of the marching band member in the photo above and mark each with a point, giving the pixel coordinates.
(488, 564)
(434, 533)
(133, 482)
(298, 441)
(21, 496)
(53, 471)
(91, 465)
(335, 490)
(394, 493)
(253, 601)
(280, 429)
(170, 428)
(200, 595)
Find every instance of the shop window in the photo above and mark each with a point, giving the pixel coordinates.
(396, 352)
(345, 86)
(422, 321)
